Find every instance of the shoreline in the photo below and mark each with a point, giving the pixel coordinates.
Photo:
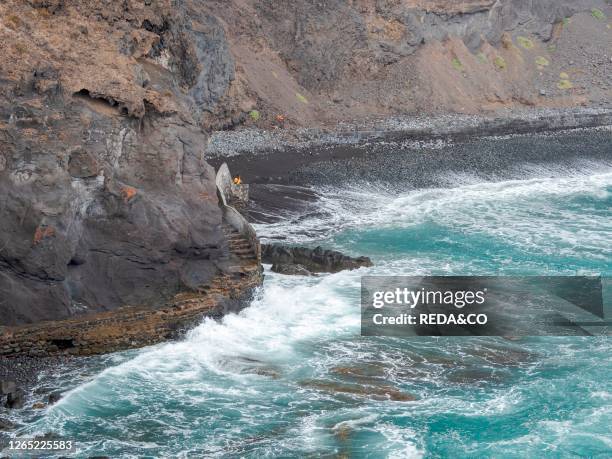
(283, 169)
(299, 152)
(450, 126)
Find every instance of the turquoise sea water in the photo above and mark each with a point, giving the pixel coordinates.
(290, 376)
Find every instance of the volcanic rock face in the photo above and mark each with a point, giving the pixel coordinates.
(105, 197)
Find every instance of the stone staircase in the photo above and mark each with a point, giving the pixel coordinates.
(243, 256)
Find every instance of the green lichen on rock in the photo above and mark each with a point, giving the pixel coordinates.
(564, 76)
(565, 84)
(566, 21)
(301, 98)
(525, 42)
(500, 62)
(255, 115)
(457, 65)
(482, 57)
(551, 48)
(541, 61)
(598, 14)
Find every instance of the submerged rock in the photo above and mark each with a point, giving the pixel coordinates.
(378, 392)
(313, 260)
(360, 371)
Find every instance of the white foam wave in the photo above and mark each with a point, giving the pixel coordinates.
(530, 213)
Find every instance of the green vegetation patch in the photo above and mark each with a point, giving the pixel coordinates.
(457, 65)
(482, 57)
(598, 14)
(566, 21)
(255, 115)
(525, 42)
(500, 62)
(541, 61)
(301, 98)
(565, 84)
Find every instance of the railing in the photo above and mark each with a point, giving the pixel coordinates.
(234, 218)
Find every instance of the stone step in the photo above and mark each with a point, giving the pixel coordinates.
(239, 242)
(240, 246)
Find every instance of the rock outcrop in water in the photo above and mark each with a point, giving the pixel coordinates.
(304, 261)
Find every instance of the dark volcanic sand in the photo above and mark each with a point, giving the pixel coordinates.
(283, 182)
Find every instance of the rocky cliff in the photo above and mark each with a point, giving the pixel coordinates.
(320, 61)
(106, 198)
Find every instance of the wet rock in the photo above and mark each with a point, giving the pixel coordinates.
(475, 376)
(268, 372)
(313, 260)
(342, 432)
(38, 405)
(378, 392)
(54, 397)
(290, 269)
(360, 371)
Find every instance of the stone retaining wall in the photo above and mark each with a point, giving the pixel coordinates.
(130, 327)
(230, 214)
(137, 326)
